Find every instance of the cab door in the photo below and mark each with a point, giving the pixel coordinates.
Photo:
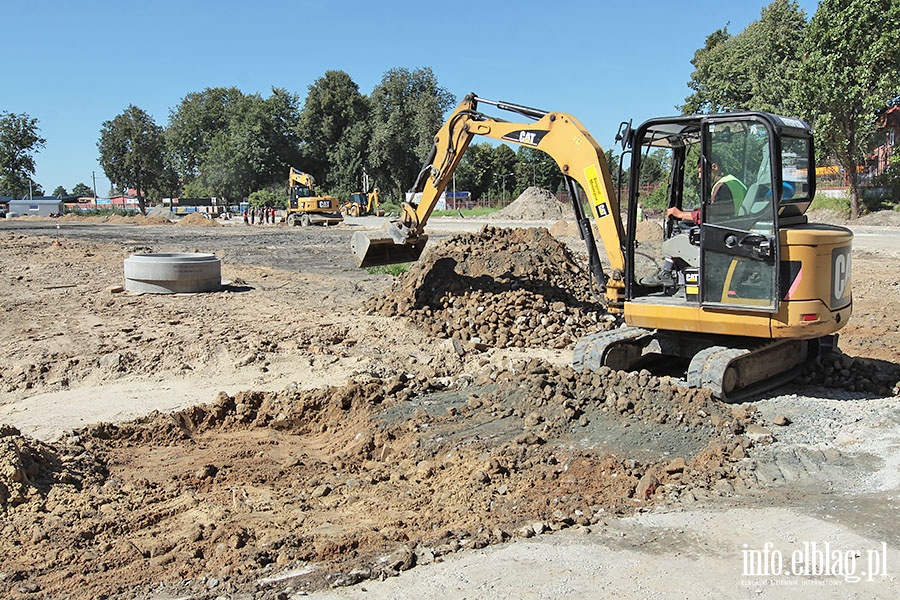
(738, 232)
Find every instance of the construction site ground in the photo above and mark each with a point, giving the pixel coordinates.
(315, 430)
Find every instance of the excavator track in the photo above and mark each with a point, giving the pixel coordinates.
(737, 374)
(733, 374)
(617, 349)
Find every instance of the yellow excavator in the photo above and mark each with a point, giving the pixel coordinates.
(362, 204)
(740, 296)
(305, 207)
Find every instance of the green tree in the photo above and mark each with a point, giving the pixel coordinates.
(333, 131)
(227, 144)
(82, 190)
(60, 191)
(407, 109)
(270, 196)
(20, 138)
(709, 86)
(194, 123)
(476, 170)
(503, 166)
(753, 70)
(850, 69)
(350, 160)
(612, 160)
(535, 168)
(133, 153)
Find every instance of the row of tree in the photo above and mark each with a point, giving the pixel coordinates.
(834, 70)
(223, 143)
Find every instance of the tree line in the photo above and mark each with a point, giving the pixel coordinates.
(834, 70)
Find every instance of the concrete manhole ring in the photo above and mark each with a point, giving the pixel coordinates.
(173, 273)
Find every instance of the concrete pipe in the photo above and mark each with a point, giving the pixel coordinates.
(174, 273)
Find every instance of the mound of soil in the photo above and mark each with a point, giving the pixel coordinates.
(30, 468)
(882, 218)
(154, 220)
(534, 204)
(197, 219)
(500, 287)
(363, 480)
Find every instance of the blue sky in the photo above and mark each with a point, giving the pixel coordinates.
(74, 65)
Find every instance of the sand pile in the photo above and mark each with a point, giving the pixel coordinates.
(500, 287)
(534, 204)
(154, 220)
(29, 469)
(197, 219)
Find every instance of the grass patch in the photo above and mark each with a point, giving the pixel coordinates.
(394, 270)
(470, 213)
(840, 204)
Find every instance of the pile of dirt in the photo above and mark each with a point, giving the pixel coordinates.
(564, 228)
(648, 231)
(197, 219)
(332, 486)
(836, 370)
(534, 204)
(881, 218)
(500, 287)
(30, 468)
(135, 219)
(154, 220)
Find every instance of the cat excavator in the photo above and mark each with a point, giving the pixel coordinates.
(741, 295)
(362, 204)
(305, 207)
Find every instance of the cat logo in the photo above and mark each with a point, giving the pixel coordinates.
(525, 137)
(840, 276)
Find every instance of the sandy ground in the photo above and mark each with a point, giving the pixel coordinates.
(440, 454)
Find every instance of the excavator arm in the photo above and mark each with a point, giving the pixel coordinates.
(298, 177)
(579, 157)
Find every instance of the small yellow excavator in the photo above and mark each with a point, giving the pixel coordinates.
(745, 292)
(305, 207)
(362, 204)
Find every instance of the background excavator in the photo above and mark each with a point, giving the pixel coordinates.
(305, 207)
(754, 290)
(362, 204)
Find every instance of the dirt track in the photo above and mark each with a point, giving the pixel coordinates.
(340, 445)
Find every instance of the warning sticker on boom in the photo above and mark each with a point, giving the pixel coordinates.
(598, 198)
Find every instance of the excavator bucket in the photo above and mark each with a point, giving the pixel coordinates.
(372, 249)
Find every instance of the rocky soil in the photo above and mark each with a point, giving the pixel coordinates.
(352, 426)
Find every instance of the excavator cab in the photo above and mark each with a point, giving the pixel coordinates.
(741, 173)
